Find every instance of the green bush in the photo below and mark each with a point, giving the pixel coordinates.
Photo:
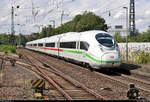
(13, 49)
(9, 48)
(144, 58)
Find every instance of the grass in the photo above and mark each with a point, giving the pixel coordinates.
(8, 48)
(144, 58)
(138, 57)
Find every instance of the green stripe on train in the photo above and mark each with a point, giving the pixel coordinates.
(101, 61)
(92, 58)
(71, 51)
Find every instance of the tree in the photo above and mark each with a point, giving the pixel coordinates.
(21, 39)
(89, 21)
(12, 39)
(4, 39)
(80, 23)
(118, 37)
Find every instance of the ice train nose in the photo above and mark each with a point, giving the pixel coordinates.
(110, 57)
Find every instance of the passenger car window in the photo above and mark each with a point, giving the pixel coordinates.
(40, 44)
(50, 45)
(34, 44)
(84, 45)
(68, 45)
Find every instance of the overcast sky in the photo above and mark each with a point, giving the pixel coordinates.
(46, 10)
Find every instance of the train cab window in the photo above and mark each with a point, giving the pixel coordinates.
(40, 44)
(31, 44)
(71, 45)
(84, 45)
(105, 40)
(50, 45)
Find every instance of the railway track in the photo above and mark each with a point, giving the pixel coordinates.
(126, 80)
(141, 75)
(68, 87)
(119, 78)
(139, 82)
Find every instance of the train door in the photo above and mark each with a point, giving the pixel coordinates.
(84, 49)
(80, 56)
(58, 47)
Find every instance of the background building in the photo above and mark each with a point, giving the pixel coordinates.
(117, 29)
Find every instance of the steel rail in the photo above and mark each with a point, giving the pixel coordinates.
(134, 78)
(115, 79)
(99, 97)
(122, 81)
(68, 78)
(43, 75)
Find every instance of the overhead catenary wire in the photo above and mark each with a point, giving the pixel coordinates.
(52, 12)
(104, 5)
(56, 7)
(116, 8)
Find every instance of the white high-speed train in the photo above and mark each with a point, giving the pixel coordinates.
(94, 48)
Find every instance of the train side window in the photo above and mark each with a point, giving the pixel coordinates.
(84, 45)
(50, 45)
(40, 44)
(34, 44)
(71, 45)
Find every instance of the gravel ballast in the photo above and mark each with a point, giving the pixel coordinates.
(16, 83)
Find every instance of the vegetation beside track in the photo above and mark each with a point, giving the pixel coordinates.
(144, 58)
(8, 48)
(140, 37)
(137, 57)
